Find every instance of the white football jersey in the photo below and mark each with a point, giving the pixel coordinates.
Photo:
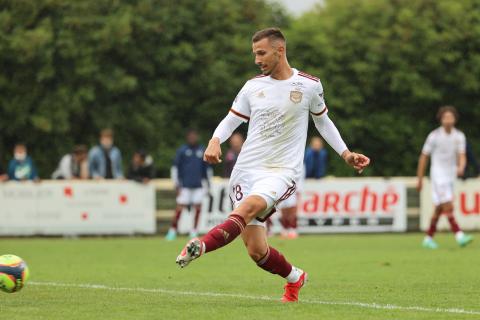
(278, 112)
(444, 149)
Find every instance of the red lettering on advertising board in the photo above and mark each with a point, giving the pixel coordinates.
(474, 208)
(348, 201)
(390, 198)
(331, 201)
(311, 205)
(366, 195)
(359, 202)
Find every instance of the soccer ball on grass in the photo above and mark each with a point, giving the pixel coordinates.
(13, 273)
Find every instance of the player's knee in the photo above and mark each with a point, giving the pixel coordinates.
(256, 252)
(249, 209)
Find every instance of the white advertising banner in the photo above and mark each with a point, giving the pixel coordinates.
(76, 208)
(466, 205)
(329, 205)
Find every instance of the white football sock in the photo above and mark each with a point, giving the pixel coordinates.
(459, 235)
(294, 275)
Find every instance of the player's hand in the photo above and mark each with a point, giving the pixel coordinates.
(460, 172)
(356, 160)
(213, 152)
(419, 184)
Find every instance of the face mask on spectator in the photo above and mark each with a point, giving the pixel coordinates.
(20, 156)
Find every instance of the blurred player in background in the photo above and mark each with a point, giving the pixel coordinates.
(191, 176)
(277, 104)
(446, 146)
(288, 211)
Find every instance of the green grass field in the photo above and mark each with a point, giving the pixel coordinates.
(351, 277)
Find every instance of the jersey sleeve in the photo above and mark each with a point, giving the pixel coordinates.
(429, 144)
(462, 144)
(317, 103)
(241, 105)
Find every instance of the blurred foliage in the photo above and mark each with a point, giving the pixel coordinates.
(150, 69)
(386, 67)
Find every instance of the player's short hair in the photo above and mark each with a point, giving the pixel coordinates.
(444, 109)
(191, 131)
(106, 133)
(270, 33)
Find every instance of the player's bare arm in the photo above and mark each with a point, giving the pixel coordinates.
(462, 163)
(422, 165)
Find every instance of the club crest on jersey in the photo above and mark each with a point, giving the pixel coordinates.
(296, 96)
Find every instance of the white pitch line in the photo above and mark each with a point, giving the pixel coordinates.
(265, 298)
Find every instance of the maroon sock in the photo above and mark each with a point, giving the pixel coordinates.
(453, 223)
(293, 222)
(274, 262)
(178, 213)
(224, 233)
(198, 209)
(284, 222)
(433, 226)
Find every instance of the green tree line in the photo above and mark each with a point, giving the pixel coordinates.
(150, 69)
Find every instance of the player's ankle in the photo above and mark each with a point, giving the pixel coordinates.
(294, 275)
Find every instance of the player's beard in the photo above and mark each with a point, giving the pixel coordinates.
(269, 71)
(273, 65)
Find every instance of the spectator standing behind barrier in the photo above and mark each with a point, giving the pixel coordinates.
(73, 165)
(105, 159)
(316, 159)
(141, 169)
(236, 143)
(191, 176)
(21, 167)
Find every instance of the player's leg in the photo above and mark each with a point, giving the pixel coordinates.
(270, 260)
(291, 216)
(197, 199)
(428, 241)
(198, 210)
(461, 238)
(225, 232)
(172, 232)
(284, 222)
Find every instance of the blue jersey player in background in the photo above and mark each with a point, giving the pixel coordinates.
(191, 176)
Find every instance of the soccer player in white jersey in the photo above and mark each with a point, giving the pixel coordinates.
(277, 104)
(446, 146)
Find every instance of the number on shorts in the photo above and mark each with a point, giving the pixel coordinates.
(237, 191)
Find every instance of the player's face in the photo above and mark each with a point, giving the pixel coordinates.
(448, 120)
(267, 55)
